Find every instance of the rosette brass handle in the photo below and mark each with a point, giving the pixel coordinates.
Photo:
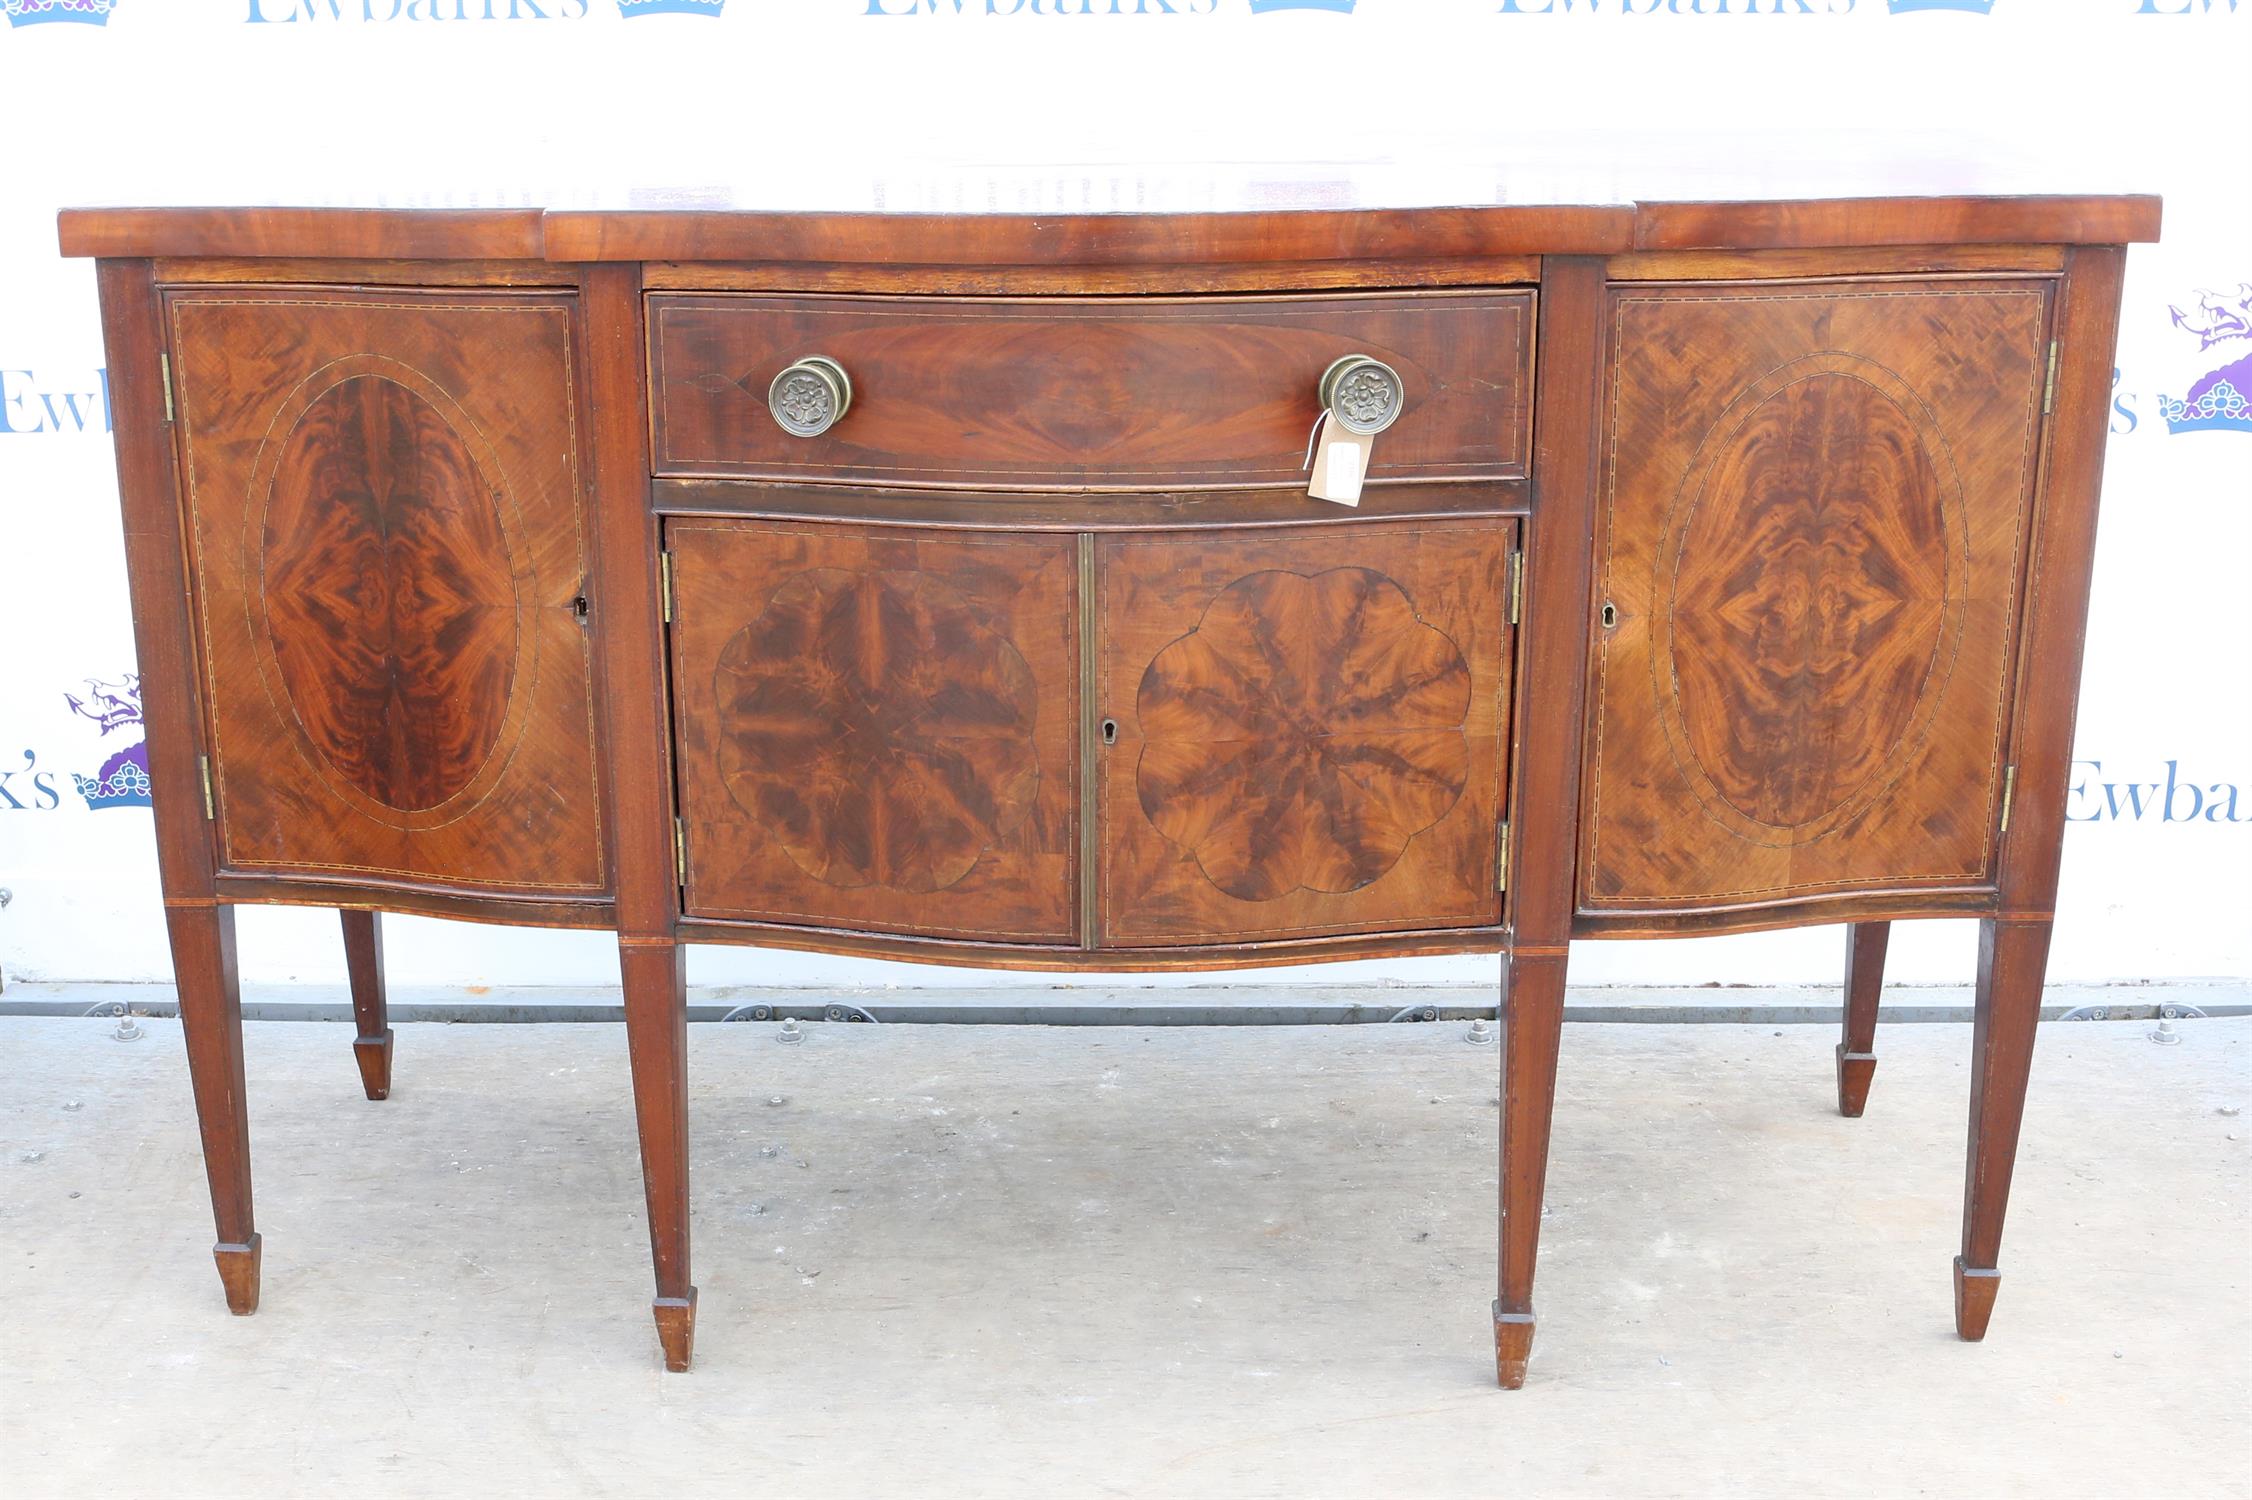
(1362, 395)
(810, 397)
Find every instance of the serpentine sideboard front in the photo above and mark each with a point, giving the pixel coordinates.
(947, 587)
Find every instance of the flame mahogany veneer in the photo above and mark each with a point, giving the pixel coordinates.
(1727, 570)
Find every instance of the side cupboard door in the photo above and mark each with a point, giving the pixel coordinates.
(384, 510)
(1814, 513)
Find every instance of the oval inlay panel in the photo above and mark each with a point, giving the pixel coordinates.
(1303, 733)
(878, 728)
(387, 592)
(1812, 601)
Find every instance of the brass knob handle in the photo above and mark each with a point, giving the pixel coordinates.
(810, 397)
(1362, 395)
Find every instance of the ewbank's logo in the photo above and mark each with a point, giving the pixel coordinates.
(30, 402)
(373, 12)
(1266, 7)
(2217, 401)
(1731, 7)
(2094, 799)
(1066, 7)
(632, 8)
(124, 778)
(40, 12)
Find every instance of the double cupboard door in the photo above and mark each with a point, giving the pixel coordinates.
(1131, 739)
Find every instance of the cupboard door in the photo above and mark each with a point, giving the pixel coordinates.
(1305, 731)
(1815, 502)
(384, 506)
(878, 729)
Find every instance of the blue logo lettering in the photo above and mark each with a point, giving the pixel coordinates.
(2170, 801)
(273, 12)
(27, 406)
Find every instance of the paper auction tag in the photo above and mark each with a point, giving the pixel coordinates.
(1340, 463)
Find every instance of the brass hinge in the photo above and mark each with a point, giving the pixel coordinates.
(2049, 386)
(680, 853)
(1501, 856)
(664, 583)
(164, 371)
(2009, 790)
(1516, 584)
(210, 806)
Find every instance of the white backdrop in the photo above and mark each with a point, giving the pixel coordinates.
(1054, 104)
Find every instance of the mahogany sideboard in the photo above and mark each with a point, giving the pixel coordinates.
(946, 587)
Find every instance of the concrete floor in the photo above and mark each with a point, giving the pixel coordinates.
(983, 1261)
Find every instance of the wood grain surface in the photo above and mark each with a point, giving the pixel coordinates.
(385, 498)
(1303, 732)
(387, 593)
(1307, 731)
(1815, 518)
(1297, 222)
(278, 230)
(878, 731)
(1101, 392)
(926, 714)
(1811, 598)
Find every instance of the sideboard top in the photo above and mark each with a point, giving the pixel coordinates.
(723, 227)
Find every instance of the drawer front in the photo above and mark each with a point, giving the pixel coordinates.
(878, 731)
(1302, 732)
(384, 510)
(1130, 393)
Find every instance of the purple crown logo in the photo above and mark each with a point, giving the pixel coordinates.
(631, 8)
(124, 777)
(2217, 402)
(40, 12)
(1974, 7)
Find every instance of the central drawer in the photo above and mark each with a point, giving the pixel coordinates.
(1096, 393)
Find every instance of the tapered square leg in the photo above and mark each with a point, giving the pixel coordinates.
(1865, 944)
(203, 968)
(657, 1041)
(363, 962)
(1532, 1026)
(2013, 958)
